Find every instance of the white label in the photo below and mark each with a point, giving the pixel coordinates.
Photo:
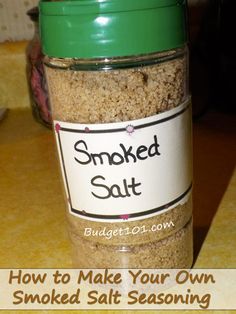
(127, 170)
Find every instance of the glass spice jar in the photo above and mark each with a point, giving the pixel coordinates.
(122, 121)
(36, 76)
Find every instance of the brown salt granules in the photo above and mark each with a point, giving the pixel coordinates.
(113, 96)
(174, 251)
(117, 95)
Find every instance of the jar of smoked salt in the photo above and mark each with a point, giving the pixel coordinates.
(117, 75)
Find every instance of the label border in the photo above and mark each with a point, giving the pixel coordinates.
(133, 215)
(83, 213)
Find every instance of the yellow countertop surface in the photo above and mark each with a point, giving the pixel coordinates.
(33, 229)
(14, 91)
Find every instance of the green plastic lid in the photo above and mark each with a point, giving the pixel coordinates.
(111, 28)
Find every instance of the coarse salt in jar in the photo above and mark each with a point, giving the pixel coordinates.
(117, 74)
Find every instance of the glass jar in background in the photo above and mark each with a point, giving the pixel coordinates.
(122, 122)
(36, 76)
